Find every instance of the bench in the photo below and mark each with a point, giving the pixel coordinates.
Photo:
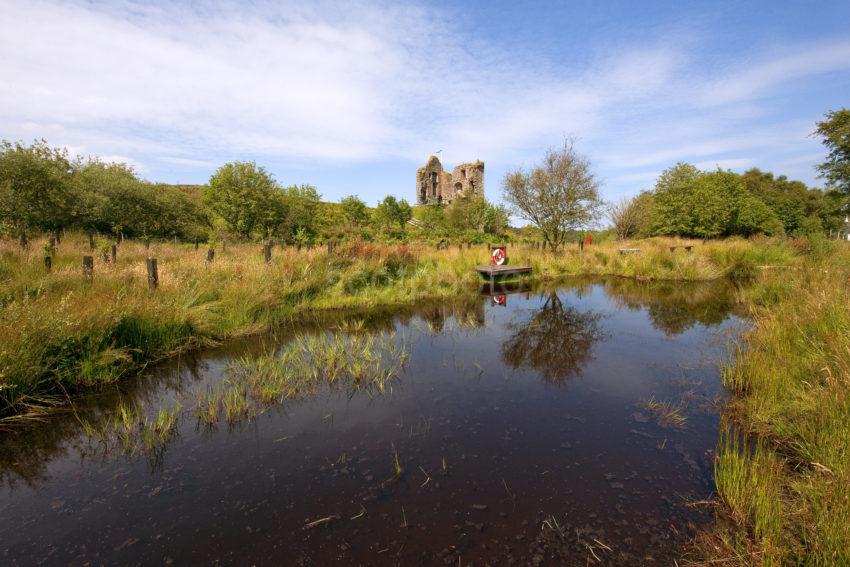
(687, 247)
(624, 251)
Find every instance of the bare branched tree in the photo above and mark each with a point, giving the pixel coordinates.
(558, 196)
(625, 216)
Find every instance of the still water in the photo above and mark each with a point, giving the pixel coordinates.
(572, 424)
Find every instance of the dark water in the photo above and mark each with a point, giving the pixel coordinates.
(521, 430)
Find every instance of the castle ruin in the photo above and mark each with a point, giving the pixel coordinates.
(435, 186)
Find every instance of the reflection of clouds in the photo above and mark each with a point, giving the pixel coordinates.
(557, 341)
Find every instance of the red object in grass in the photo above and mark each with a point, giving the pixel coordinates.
(588, 240)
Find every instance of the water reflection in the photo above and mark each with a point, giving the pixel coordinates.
(557, 340)
(675, 307)
(456, 463)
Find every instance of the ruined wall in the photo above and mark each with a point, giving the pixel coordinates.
(434, 185)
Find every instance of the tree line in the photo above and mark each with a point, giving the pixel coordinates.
(709, 204)
(42, 189)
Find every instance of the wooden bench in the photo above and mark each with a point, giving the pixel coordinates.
(687, 247)
(624, 251)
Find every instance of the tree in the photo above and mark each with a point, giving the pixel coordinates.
(355, 211)
(673, 200)
(35, 190)
(558, 196)
(302, 203)
(835, 131)
(241, 193)
(391, 211)
(631, 216)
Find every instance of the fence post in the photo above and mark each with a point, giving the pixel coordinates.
(153, 274)
(91, 242)
(210, 255)
(48, 264)
(196, 244)
(267, 253)
(88, 267)
(114, 250)
(23, 240)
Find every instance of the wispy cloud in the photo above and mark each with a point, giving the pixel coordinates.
(191, 85)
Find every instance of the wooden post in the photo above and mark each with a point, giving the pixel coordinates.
(114, 250)
(88, 267)
(48, 264)
(210, 255)
(91, 242)
(267, 253)
(22, 239)
(153, 274)
(196, 244)
(331, 246)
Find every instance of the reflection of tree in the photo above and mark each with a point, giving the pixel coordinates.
(557, 340)
(675, 307)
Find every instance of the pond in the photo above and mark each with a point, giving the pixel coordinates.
(574, 423)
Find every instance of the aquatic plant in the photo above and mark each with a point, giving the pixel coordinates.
(666, 413)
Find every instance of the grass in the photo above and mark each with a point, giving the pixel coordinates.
(355, 362)
(782, 470)
(62, 334)
(785, 482)
(666, 414)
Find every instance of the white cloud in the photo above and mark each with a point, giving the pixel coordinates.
(339, 83)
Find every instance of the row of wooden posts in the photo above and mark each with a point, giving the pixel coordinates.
(151, 263)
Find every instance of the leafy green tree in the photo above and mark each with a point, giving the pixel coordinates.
(755, 217)
(35, 190)
(715, 201)
(835, 131)
(558, 196)
(673, 200)
(302, 204)
(354, 211)
(241, 193)
(393, 212)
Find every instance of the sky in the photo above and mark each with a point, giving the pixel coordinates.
(353, 97)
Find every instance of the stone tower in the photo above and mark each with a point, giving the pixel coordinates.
(436, 186)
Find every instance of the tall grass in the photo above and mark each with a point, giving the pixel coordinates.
(788, 487)
(60, 333)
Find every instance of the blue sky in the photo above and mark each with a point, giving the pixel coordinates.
(353, 96)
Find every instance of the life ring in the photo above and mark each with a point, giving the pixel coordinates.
(498, 256)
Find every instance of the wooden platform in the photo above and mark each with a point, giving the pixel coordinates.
(491, 272)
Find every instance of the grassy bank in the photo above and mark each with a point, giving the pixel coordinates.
(783, 467)
(62, 333)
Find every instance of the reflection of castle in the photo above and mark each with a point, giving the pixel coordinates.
(435, 186)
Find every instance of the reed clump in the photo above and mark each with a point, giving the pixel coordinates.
(353, 362)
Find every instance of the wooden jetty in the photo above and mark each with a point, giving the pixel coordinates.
(494, 273)
(501, 273)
